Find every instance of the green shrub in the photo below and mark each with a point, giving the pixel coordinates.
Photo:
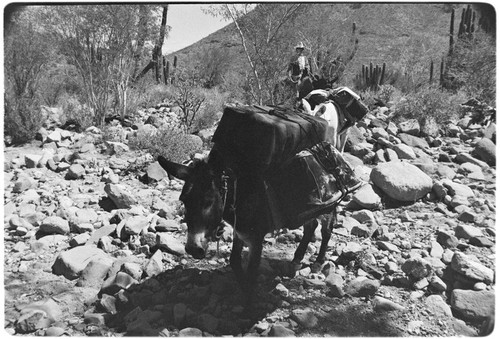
(472, 67)
(173, 144)
(429, 102)
(75, 111)
(22, 119)
(214, 103)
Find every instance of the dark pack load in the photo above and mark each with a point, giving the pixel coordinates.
(261, 139)
(309, 185)
(343, 97)
(349, 101)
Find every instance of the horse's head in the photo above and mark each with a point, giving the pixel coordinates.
(203, 201)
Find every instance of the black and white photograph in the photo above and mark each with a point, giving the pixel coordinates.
(249, 169)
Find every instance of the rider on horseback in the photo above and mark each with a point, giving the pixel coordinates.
(298, 67)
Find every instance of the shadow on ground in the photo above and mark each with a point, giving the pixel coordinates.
(207, 299)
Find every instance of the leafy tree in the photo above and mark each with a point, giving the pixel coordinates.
(329, 53)
(26, 55)
(105, 44)
(265, 40)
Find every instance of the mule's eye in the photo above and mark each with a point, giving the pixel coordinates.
(207, 202)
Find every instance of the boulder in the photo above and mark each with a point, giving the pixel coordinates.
(465, 266)
(413, 141)
(404, 151)
(114, 147)
(485, 150)
(75, 171)
(54, 225)
(72, 262)
(410, 126)
(155, 172)
(401, 181)
(473, 305)
(32, 160)
(120, 195)
(367, 198)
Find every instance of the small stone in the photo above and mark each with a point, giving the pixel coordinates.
(170, 244)
(94, 273)
(367, 198)
(79, 240)
(72, 262)
(386, 305)
(281, 290)
(447, 240)
(120, 195)
(55, 331)
(437, 284)
(362, 287)
(108, 303)
(54, 225)
(464, 265)
(190, 332)
(421, 284)
(75, 171)
(281, 331)
(481, 241)
(154, 265)
(304, 317)
(117, 282)
(417, 268)
(387, 246)
(133, 269)
(32, 160)
(467, 232)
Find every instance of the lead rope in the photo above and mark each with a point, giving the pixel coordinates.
(220, 228)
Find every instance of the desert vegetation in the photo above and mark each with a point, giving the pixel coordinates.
(106, 60)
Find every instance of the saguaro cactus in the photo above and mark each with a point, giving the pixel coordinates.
(371, 77)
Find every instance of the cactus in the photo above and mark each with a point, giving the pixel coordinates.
(431, 75)
(452, 24)
(166, 70)
(371, 77)
(174, 70)
(466, 28)
(441, 72)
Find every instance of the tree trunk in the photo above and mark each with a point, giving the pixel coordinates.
(159, 44)
(141, 37)
(156, 54)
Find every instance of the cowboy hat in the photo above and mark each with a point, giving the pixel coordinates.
(300, 45)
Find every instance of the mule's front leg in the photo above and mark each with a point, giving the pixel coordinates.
(309, 228)
(254, 257)
(235, 259)
(326, 233)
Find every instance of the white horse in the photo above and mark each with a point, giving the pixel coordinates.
(316, 103)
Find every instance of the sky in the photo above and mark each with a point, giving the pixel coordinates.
(188, 25)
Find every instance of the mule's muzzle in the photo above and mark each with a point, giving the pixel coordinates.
(196, 251)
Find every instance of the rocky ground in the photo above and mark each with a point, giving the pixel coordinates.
(93, 243)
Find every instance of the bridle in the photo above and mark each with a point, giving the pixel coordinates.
(218, 231)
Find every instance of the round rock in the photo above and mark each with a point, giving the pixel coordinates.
(401, 181)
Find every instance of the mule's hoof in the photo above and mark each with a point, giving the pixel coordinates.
(294, 267)
(316, 267)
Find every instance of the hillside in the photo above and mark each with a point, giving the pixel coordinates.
(391, 33)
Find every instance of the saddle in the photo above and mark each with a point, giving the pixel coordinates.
(311, 184)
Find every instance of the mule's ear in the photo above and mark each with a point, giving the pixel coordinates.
(177, 170)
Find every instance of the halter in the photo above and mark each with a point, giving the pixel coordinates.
(219, 230)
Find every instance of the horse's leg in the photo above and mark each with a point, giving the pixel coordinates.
(342, 141)
(309, 228)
